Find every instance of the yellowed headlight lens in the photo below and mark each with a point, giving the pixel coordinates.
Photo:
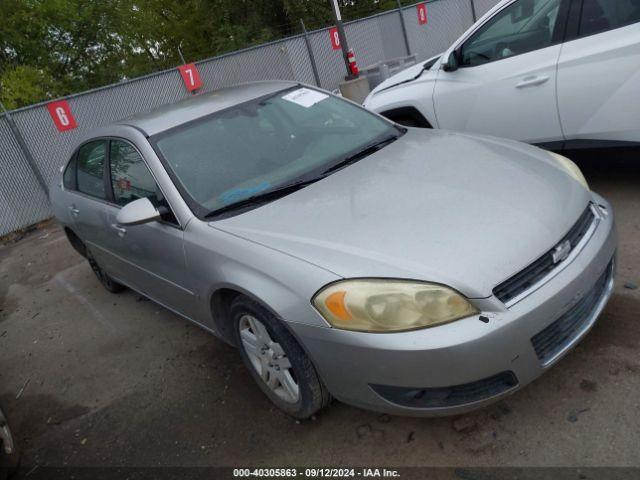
(390, 305)
(571, 168)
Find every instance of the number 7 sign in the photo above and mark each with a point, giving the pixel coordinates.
(190, 76)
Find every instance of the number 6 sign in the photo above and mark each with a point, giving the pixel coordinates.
(61, 114)
(190, 76)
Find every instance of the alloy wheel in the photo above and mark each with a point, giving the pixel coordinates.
(269, 359)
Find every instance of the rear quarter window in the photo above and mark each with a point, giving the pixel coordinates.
(69, 176)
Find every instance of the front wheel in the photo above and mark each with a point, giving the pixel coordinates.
(277, 363)
(9, 453)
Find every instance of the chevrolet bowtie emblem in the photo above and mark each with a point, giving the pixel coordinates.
(561, 252)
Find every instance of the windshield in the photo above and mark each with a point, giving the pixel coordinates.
(258, 146)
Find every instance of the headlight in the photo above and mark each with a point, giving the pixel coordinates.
(389, 305)
(571, 168)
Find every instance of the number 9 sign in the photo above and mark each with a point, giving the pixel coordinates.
(60, 112)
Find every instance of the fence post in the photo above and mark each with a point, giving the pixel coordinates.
(404, 27)
(314, 67)
(473, 10)
(25, 150)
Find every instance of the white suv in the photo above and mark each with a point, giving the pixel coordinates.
(556, 73)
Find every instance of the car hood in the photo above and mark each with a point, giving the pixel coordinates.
(463, 210)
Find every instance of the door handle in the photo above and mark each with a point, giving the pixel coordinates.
(532, 81)
(74, 211)
(121, 230)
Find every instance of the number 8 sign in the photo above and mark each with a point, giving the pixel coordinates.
(422, 13)
(190, 76)
(335, 38)
(60, 112)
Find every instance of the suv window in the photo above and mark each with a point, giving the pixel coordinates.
(90, 179)
(131, 178)
(601, 15)
(522, 27)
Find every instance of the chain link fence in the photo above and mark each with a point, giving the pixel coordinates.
(24, 200)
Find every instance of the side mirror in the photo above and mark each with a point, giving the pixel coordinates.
(137, 212)
(451, 65)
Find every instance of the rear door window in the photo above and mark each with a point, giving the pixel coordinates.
(69, 177)
(602, 15)
(90, 169)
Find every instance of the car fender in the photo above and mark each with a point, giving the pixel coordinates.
(417, 94)
(282, 283)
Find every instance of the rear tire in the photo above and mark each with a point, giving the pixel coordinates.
(105, 279)
(276, 361)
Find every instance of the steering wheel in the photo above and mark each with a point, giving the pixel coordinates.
(499, 49)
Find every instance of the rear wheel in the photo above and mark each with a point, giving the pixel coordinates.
(277, 363)
(107, 282)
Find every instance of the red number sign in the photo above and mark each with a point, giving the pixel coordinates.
(61, 114)
(422, 13)
(190, 76)
(335, 38)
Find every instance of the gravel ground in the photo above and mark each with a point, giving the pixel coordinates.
(90, 378)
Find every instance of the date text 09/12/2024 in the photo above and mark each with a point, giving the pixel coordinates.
(316, 472)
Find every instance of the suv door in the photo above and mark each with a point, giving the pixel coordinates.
(506, 77)
(150, 257)
(599, 72)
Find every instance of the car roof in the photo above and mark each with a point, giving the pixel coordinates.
(174, 114)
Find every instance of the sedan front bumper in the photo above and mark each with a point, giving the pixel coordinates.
(467, 364)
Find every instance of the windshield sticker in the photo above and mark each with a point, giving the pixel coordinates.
(236, 194)
(305, 97)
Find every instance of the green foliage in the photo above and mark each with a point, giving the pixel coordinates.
(24, 84)
(50, 48)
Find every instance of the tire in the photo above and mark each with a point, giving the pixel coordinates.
(105, 279)
(9, 463)
(275, 359)
(406, 121)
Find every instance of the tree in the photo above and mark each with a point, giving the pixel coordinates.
(50, 48)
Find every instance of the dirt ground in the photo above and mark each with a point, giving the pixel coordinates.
(91, 378)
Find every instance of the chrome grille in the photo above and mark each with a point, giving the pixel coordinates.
(525, 279)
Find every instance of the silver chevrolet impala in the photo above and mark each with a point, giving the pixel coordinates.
(409, 271)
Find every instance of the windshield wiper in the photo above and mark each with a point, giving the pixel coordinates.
(283, 190)
(262, 197)
(363, 152)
